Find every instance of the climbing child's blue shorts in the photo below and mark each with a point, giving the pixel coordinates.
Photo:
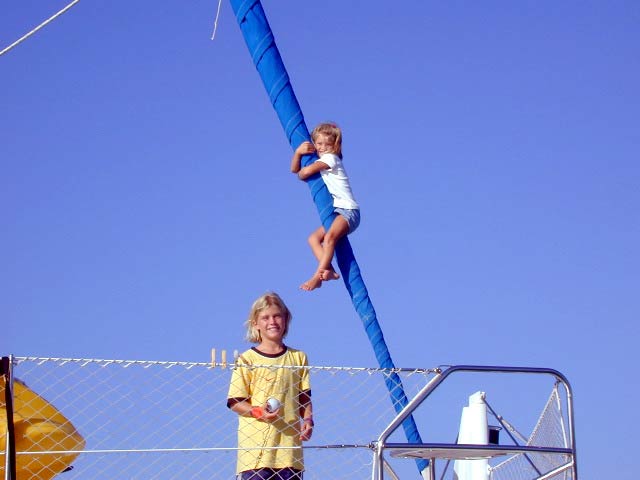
(352, 216)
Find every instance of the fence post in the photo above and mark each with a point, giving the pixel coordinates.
(10, 449)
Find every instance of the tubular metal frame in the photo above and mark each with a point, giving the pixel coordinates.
(433, 451)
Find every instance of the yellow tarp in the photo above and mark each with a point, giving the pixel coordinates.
(39, 427)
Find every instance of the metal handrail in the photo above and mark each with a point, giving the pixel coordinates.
(441, 374)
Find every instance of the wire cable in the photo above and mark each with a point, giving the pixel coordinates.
(215, 23)
(27, 35)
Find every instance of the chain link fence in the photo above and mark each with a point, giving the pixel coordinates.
(165, 420)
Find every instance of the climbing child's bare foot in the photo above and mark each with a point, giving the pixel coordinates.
(313, 283)
(329, 274)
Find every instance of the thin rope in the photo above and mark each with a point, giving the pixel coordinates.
(215, 23)
(50, 19)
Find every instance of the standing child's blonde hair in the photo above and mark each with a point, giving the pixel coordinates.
(267, 300)
(333, 132)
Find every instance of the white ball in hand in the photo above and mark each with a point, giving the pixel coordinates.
(273, 404)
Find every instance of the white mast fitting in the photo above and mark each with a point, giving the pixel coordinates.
(474, 430)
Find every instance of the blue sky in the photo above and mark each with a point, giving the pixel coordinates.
(493, 147)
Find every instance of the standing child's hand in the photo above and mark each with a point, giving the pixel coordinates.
(305, 148)
(306, 431)
(264, 414)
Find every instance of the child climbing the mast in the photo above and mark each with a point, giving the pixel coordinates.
(327, 143)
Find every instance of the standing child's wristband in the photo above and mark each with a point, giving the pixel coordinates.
(257, 412)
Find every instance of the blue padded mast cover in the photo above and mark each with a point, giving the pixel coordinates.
(266, 57)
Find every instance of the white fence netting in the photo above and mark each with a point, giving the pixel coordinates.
(165, 420)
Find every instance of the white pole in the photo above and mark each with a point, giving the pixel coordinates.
(474, 430)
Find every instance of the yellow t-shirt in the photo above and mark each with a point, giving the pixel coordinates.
(257, 384)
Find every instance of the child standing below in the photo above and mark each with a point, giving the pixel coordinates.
(327, 143)
(271, 370)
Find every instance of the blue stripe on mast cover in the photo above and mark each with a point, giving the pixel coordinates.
(264, 52)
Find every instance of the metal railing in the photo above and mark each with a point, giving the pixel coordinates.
(455, 451)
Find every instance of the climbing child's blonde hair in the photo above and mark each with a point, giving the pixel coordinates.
(333, 132)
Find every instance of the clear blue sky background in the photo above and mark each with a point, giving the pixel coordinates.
(146, 196)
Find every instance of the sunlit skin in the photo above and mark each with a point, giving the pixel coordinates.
(322, 243)
(271, 324)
